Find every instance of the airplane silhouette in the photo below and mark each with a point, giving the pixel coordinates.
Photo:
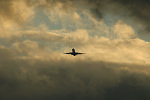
(74, 53)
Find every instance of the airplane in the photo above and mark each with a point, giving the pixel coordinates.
(74, 53)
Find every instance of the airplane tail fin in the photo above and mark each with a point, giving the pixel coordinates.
(73, 50)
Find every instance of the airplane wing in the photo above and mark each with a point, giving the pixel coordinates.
(68, 53)
(80, 53)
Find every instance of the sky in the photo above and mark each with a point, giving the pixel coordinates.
(114, 34)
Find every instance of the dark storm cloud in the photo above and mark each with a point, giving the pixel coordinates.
(132, 12)
(139, 10)
(97, 13)
(86, 80)
(135, 10)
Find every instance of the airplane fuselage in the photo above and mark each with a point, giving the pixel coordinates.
(74, 53)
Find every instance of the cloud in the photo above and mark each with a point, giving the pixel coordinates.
(71, 14)
(123, 31)
(42, 43)
(37, 79)
(32, 63)
(14, 14)
(135, 14)
(15, 11)
(131, 12)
